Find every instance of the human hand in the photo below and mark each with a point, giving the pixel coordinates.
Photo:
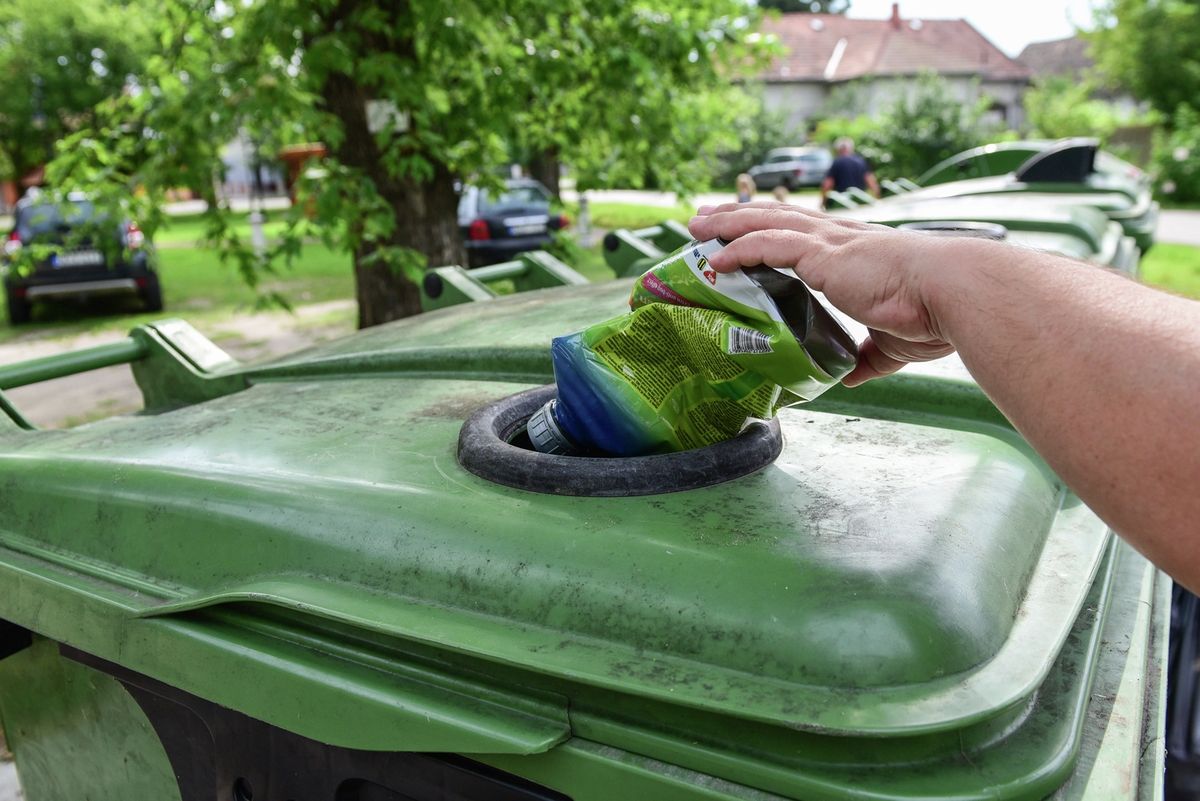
(877, 275)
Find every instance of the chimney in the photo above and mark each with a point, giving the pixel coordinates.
(895, 16)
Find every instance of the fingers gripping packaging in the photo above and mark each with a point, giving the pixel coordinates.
(699, 355)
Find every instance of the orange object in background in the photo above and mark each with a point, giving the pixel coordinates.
(295, 157)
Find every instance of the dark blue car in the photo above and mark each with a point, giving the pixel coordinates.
(76, 254)
(497, 228)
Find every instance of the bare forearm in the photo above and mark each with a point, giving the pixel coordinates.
(1101, 375)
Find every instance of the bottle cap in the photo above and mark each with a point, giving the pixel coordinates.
(545, 434)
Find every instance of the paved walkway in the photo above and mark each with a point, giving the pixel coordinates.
(10, 788)
(1179, 227)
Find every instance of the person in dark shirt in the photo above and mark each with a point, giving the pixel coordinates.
(848, 169)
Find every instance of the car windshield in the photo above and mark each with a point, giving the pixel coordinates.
(46, 217)
(514, 196)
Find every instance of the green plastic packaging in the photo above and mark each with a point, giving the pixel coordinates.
(699, 355)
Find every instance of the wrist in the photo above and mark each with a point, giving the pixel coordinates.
(955, 278)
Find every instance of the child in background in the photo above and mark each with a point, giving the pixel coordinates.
(745, 188)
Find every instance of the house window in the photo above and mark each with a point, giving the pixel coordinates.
(997, 113)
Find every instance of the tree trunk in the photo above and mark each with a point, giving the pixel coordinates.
(426, 213)
(426, 222)
(544, 167)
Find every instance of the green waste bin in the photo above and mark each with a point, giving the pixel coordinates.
(997, 158)
(1079, 231)
(310, 579)
(1071, 171)
(1000, 158)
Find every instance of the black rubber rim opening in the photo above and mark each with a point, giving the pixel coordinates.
(485, 448)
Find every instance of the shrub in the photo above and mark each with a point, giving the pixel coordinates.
(1177, 156)
(756, 130)
(1059, 107)
(914, 132)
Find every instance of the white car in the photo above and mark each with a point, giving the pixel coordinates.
(792, 167)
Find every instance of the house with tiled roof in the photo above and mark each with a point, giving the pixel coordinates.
(885, 58)
(1069, 57)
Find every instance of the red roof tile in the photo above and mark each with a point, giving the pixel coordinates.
(883, 47)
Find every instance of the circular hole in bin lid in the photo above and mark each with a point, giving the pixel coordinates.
(489, 446)
(978, 230)
(432, 284)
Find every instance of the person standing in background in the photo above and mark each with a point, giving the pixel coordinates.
(848, 169)
(745, 188)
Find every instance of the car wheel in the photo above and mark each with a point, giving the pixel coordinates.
(18, 310)
(152, 294)
(789, 184)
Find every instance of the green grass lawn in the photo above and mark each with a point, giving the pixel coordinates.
(196, 285)
(1175, 268)
(641, 215)
(632, 215)
(1187, 205)
(590, 262)
(188, 230)
(193, 278)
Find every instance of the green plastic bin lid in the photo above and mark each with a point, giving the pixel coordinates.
(907, 573)
(1105, 191)
(1020, 214)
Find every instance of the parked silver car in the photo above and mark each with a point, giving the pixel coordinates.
(792, 167)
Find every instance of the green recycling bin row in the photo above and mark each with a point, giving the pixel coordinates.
(1067, 171)
(449, 286)
(300, 581)
(628, 252)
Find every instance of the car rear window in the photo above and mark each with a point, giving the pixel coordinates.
(46, 217)
(514, 196)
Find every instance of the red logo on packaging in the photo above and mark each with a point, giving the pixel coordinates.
(709, 273)
(654, 285)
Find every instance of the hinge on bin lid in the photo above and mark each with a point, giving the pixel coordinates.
(182, 366)
(1067, 161)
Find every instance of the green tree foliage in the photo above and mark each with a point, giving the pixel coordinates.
(754, 131)
(807, 6)
(411, 96)
(1177, 156)
(57, 61)
(915, 131)
(1151, 48)
(1059, 106)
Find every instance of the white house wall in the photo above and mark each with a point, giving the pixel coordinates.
(801, 101)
